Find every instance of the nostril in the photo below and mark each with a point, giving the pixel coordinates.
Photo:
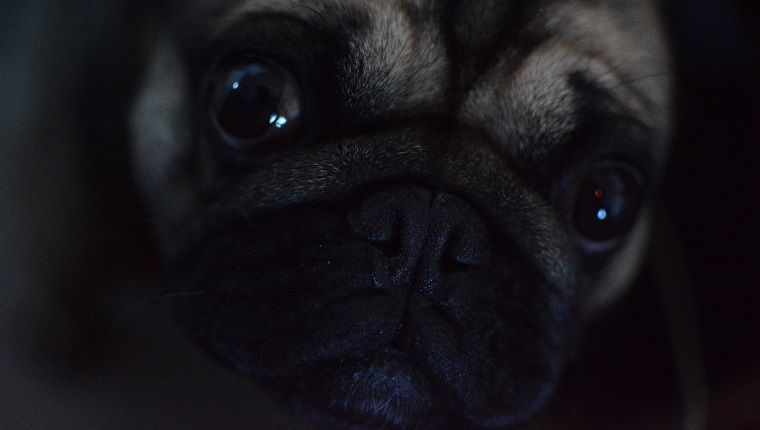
(462, 251)
(463, 238)
(449, 266)
(381, 230)
(389, 245)
(393, 221)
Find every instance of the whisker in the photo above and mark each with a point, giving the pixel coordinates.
(614, 69)
(641, 78)
(143, 220)
(245, 215)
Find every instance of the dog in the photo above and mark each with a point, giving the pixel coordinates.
(401, 214)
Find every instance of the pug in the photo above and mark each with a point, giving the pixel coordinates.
(401, 214)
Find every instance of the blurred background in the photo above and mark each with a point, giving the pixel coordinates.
(67, 69)
(713, 191)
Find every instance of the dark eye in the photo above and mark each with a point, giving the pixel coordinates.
(604, 203)
(253, 102)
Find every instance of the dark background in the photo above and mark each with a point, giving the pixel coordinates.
(713, 192)
(713, 187)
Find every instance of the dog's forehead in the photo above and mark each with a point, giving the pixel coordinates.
(503, 66)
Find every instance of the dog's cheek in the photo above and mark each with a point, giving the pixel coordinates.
(161, 135)
(612, 281)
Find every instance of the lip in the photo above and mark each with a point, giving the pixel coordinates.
(383, 390)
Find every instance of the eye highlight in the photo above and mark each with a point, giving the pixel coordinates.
(254, 104)
(603, 204)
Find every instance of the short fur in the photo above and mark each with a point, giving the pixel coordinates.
(404, 260)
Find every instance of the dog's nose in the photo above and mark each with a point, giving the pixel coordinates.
(425, 235)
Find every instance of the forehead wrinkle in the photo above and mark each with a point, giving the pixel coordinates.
(626, 35)
(482, 33)
(398, 64)
(529, 106)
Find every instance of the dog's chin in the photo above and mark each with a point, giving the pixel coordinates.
(382, 391)
(388, 390)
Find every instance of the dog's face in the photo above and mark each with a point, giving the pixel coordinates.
(399, 213)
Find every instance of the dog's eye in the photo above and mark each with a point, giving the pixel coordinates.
(603, 204)
(254, 101)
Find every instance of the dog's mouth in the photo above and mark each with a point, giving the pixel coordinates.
(383, 390)
(386, 309)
